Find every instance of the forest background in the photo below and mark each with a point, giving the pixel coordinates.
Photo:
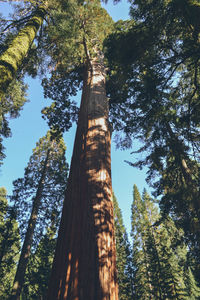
(157, 97)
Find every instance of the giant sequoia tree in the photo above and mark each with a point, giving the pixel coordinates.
(79, 33)
(84, 263)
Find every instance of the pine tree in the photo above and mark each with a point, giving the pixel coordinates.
(40, 263)
(123, 251)
(192, 288)
(142, 279)
(163, 254)
(36, 195)
(9, 245)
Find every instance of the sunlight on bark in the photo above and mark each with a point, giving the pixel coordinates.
(85, 260)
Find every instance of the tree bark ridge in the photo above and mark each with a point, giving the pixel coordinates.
(84, 265)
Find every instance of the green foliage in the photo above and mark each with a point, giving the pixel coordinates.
(53, 187)
(123, 251)
(158, 80)
(62, 111)
(3, 202)
(39, 267)
(77, 25)
(65, 44)
(153, 87)
(160, 257)
(11, 105)
(9, 245)
(154, 98)
(38, 198)
(142, 284)
(74, 38)
(191, 285)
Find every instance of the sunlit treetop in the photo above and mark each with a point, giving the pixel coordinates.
(73, 38)
(75, 30)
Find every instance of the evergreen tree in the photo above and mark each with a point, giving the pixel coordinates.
(9, 245)
(142, 276)
(154, 91)
(123, 252)
(39, 265)
(162, 252)
(11, 105)
(192, 288)
(154, 98)
(36, 196)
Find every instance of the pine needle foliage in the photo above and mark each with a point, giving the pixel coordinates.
(39, 266)
(123, 250)
(78, 31)
(160, 257)
(154, 91)
(25, 188)
(9, 245)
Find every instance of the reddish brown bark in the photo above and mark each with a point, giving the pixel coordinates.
(84, 265)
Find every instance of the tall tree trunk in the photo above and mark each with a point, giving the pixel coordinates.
(26, 248)
(85, 260)
(12, 58)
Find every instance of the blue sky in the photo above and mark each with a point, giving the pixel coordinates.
(29, 127)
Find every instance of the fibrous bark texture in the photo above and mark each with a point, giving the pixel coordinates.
(84, 265)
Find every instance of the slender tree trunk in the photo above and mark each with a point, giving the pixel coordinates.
(26, 248)
(12, 58)
(85, 260)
